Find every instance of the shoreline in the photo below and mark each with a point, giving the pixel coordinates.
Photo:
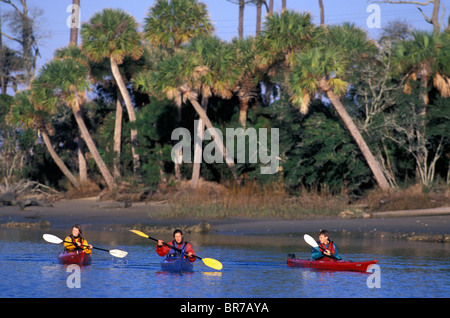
(426, 225)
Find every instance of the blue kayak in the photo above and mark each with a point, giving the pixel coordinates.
(177, 265)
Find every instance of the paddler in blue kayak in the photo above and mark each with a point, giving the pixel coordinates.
(326, 250)
(166, 248)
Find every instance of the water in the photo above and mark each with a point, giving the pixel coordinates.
(253, 267)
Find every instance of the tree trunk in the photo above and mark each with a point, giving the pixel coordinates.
(75, 20)
(58, 160)
(198, 147)
(258, 17)
(271, 7)
(283, 6)
(201, 112)
(243, 109)
(179, 103)
(241, 18)
(82, 166)
(117, 137)
(130, 111)
(91, 146)
(322, 13)
(348, 122)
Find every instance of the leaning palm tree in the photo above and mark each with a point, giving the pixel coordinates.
(60, 82)
(113, 34)
(28, 113)
(324, 66)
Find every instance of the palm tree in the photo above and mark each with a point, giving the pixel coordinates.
(283, 35)
(173, 23)
(60, 82)
(425, 58)
(246, 50)
(28, 113)
(180, 77)
(323, 66)
(113, 34)
(218, 75)
(170, 24)
(422, 58)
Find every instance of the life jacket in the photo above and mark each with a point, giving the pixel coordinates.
(174, 253)
(323, 248)
(74, 246)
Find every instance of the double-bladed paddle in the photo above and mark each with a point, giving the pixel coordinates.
(210, 262)
(56, 240)
(308, 239)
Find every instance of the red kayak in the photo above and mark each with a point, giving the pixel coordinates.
(75, 257)
(331, 265)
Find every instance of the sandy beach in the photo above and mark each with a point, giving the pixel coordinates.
(110, 215)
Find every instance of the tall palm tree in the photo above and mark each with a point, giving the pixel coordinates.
(28, 113)
(170, 24)
(60, 82)
(113, 34)
(218, 75)
(323, 66)
(425, 58)
(180, 77)
(72, 51)
(249, 76)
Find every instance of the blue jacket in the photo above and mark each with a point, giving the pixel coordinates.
(317, 254)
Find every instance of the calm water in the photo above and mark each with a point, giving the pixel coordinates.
(254, 267)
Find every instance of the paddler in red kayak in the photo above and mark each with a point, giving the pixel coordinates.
(179, 243)
(326, 250)
(75, 241)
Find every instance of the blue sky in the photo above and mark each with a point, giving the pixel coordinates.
(224, 15)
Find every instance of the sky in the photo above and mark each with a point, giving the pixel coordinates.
(224, 15)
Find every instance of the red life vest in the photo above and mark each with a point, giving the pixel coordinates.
(323, 248)
(76, 240)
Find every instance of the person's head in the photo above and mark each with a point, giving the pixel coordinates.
(76, 230)
(178, 236)
(323, 236)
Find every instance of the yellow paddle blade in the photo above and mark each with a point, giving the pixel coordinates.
(139, 233)
(213, 263)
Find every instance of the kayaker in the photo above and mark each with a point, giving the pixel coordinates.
(178, 242)
(75, 241)
(326, 250)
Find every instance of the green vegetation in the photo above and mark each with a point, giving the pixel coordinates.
(356, 117)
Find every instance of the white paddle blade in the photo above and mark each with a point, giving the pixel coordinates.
(308, 239)
(118, 253)
(52, 239)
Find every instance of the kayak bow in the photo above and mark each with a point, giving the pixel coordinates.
(75, 257)
(330, 265)
(177, 265)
